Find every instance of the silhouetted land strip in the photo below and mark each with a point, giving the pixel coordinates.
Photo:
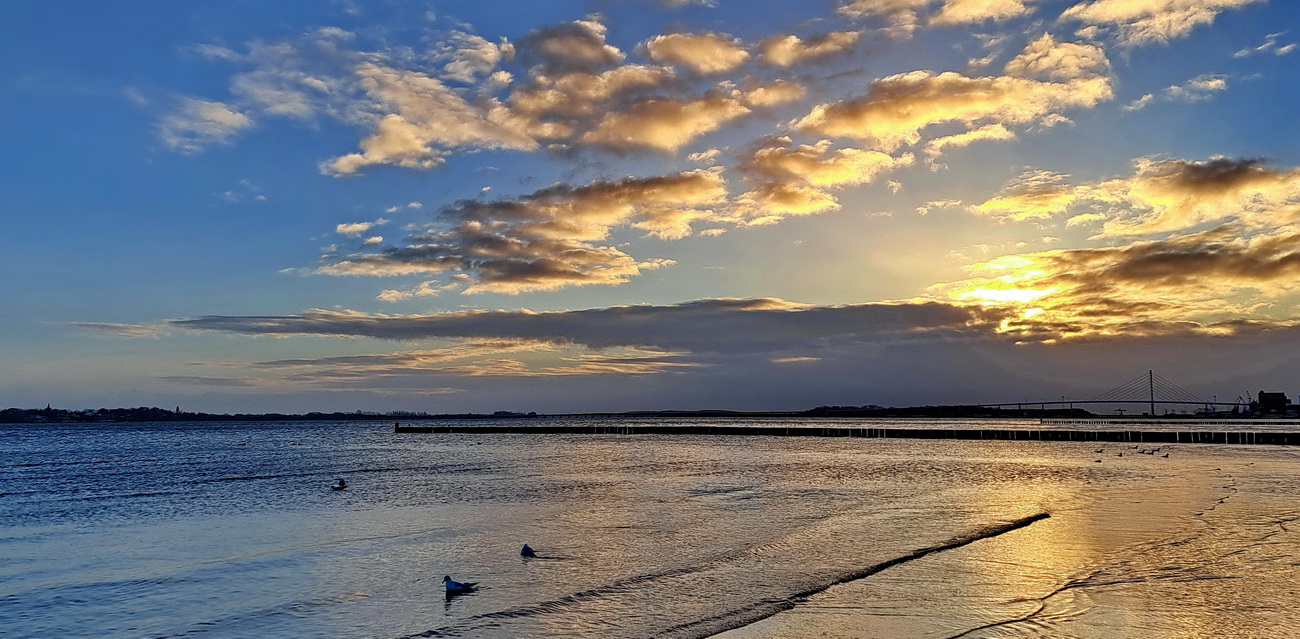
(1062, 435)
(154, 414)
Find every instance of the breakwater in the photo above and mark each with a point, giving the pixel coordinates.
(1054, 435)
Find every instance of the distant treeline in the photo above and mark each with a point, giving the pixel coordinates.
(154, 414)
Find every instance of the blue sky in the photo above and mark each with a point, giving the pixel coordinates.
(570, 206)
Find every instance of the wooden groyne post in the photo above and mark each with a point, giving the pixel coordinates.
(1281, 438)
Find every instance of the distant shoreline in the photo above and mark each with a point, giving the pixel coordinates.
(153, 414)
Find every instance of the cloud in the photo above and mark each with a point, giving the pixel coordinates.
(816, 164)
(355, 229)
(1207, 283)
(429, 119)
(724, 326)
(573, 46)
(701, 53)
(473, 358)
(773, 94)
(790, 50)
(1162, 195)
(1145, 21)
(285, 79)
(135, 331)
(1168, 195)
(424, 289)
(705, 158)
(561, 106)
(795, 360)
(1047, 59)
(1198, 88)
(1139, 103)
(905, 16)
(468, 58)
(547, 239)
(936, 147)
(899, 107)
(664, 123)
(1270, 45)
(245, 190)
(1034, 195)
(928, 207)
(795, 180)
(220, 382)
(197, 124)
(902, 16)
(972, 11)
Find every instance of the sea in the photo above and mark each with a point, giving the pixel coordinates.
(232, 530)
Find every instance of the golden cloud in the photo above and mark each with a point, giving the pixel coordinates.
(789, 50)
(702, 53)
(817, 165)
(971, 11)
(545, 240)
(1167, 195)
(772, 94)
(580, 94)
(899, 107)
(936, 147)
(1163, 195)
(904, 16)
(428, 118)
(794, 180)
(1034, 195)
(664, 123)
(1197, 283)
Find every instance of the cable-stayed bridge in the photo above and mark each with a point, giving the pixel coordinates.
(1149, 389)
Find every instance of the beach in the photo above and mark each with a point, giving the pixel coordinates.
(231, 530)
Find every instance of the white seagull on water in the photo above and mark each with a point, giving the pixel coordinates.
(454, 586)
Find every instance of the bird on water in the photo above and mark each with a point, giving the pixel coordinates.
(456, 587)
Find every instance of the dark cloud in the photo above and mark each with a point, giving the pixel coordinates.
(573, 46)
(744, 326)
(1218, 258)
(547, 239)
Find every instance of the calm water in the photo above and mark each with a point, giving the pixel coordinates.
(230, 530)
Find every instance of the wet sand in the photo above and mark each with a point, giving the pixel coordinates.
(1205, 543)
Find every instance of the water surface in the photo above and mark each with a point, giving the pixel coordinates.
(230, 530)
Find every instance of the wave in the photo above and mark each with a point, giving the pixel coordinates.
(745, 616)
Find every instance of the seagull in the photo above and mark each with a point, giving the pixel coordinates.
(455, 587)
(1101, 450)
(527, 551)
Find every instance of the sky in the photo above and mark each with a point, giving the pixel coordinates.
(448, 206)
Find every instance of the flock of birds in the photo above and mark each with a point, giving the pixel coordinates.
(1144, 451)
